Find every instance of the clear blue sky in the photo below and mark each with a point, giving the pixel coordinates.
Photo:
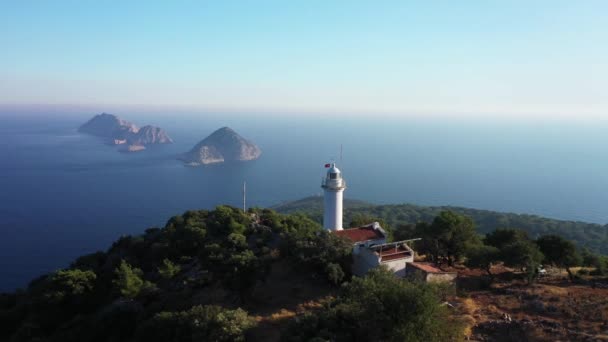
(497, 57)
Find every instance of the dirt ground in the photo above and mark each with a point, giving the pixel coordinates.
(553, 309)
(504, 309)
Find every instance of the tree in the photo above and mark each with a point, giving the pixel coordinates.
(334, 273)
(168, 269)
(379, 307)
(452, 234)
(502, 237)
(483, 256)
(322, 251)
(523, 254)
(560, 252)
(129, 280)
(200, 323)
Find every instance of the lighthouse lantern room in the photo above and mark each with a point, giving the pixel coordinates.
(334, 186)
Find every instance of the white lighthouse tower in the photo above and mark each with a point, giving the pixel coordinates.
(334, 186)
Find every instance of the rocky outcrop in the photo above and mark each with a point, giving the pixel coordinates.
(117, 131)
(150, 135)
(109, 126)
(223, 145)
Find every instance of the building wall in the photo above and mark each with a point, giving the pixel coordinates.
(446, 277)
(398, 266)
(415, 273)
(364, 261)
(418, 274)
(332, 215)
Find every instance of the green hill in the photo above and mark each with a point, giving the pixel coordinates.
(589, 235)
(223, 275)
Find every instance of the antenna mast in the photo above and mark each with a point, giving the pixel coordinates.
(244, 196)
(340, 154)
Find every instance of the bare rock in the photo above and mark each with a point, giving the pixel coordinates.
(223, 145)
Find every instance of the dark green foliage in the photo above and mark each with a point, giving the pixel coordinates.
(449, 236)
(322, 251)
(516, 250)
(168, 269)
(599, 262)
(105, 296)
(592, 236)
(560, 252)
(521, 254)
(112, 296)
(334, 273)
(502, 237)
(66, 285)
(200, 323)
(129, 281)
(379, 307)
(482, 256)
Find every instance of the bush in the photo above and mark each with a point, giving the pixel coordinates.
(168, 269)
(129, 281)
(380, 307)
(200, 323)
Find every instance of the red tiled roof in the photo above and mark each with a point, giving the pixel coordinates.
(360, 234)
(425, 267)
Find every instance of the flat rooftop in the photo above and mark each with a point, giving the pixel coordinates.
(392, 252)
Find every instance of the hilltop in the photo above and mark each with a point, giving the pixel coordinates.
(588, 235)
(229, 275)
(223, 145)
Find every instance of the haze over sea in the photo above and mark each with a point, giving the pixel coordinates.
(65, 194)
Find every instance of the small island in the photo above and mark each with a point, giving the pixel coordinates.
(223, 145)
(117, 131)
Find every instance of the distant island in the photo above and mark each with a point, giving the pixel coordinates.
(223, 145)
(117, 131)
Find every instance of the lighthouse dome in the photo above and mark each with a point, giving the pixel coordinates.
(334, 172)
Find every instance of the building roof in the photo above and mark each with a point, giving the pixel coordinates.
(333, 169)
(426, 267)
(394, 253)
(365, 233)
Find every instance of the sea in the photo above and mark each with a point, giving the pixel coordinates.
(65, 194)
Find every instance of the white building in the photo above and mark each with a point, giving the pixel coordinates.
(370, 250)
(334, 186)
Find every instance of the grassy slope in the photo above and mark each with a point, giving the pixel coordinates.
(592, 236)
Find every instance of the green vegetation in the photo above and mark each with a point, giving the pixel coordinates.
(559, 252)
(200, 323)
(129, 281)
(380, 307)
(483, 256)
(194, 278)
(182, 282)
(591, 236)
(168, 269)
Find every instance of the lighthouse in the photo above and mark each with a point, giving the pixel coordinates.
(334, 186)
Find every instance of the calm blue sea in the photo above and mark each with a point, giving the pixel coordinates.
(63, 194)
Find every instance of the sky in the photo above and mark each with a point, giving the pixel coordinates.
(495, 58)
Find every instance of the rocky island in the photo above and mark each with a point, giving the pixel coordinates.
(117, 131)
(223, 145)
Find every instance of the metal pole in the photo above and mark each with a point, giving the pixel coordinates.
(244, 196)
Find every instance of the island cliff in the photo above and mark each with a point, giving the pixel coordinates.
(223, 145)
(118, 132)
